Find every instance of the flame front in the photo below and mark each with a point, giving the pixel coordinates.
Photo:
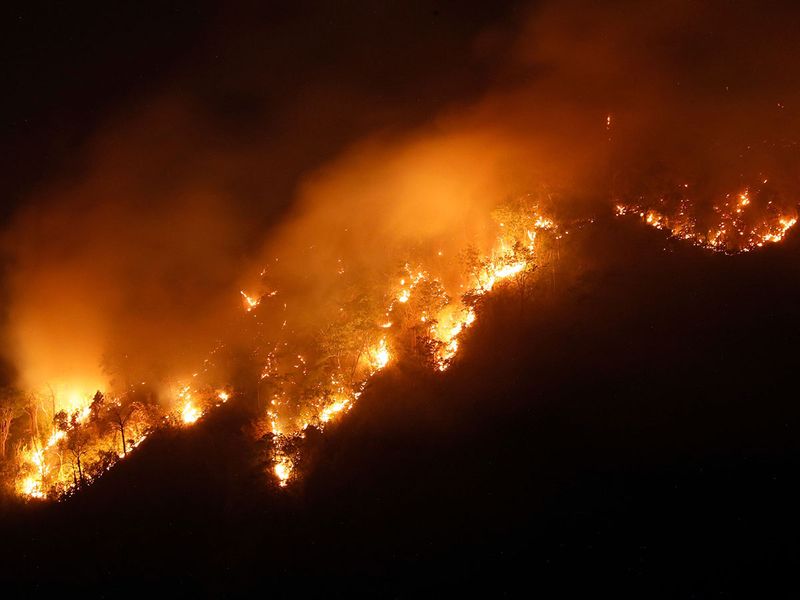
(311, 379)
(190, 413)
(311, 386)
(93, 432)
(741, 222)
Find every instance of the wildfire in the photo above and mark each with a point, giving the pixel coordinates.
(742, 222)
(309, 385)
(380, 356)
(34, 463)
(333, 409)
(448, 335)
(31, 488)
(419, 308)
(249, 302)
(283, 470)
(497, 273)
(190, 413)
(92, 432)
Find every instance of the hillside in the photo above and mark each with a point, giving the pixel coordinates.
(632, 428)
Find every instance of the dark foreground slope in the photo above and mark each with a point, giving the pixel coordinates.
(635, 428)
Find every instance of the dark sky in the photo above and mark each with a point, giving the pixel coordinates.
(68, 69)
(254, 71)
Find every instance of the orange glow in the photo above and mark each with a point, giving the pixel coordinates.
(249, 302)
(740, 224)
(190, 413)
(380, 356)
(283, 471)
(34, 462)
(76, 441)
(418, 301)
(333, 409)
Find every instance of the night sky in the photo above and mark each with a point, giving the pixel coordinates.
(628, 427)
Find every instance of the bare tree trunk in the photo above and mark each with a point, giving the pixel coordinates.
(124, 448)
(5, 429)
(33, 413)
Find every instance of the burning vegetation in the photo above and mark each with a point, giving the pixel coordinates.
(313, 371)
(66, 450)
(123, 277)
(310, 379)
(739, 222)
(311, 375)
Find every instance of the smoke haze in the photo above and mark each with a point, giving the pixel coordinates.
(133, 255)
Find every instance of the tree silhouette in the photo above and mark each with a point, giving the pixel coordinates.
(119, 412)
(78, 443)
(11, 405)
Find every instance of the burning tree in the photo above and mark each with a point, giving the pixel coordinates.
(738, 221)
(344, 343)
(118, 412)
(313, 362)
(11, 406)
(309, 379)
(78, 443)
